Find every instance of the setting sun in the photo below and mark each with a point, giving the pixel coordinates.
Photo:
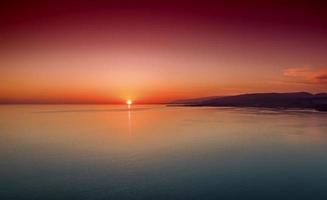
(129, 102)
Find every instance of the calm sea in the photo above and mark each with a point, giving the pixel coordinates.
(159, 152)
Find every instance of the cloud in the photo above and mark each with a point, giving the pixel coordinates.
(306, 75)
(322, 77)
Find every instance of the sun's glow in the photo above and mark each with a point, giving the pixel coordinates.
(129, 102)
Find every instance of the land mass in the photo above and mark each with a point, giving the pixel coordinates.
(266, 100)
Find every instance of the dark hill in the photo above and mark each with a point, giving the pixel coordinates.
(268, 100)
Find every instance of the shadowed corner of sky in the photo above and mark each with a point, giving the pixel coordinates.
(268, 12)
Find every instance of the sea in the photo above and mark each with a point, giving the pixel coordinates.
(161, 152)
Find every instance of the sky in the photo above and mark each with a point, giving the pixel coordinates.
(159, 51)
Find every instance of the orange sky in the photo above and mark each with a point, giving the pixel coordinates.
(106, 53)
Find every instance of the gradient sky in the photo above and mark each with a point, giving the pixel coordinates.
(157, 51)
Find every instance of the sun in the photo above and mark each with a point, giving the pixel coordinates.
(129, 102)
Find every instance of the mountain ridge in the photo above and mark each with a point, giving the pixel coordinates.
(268, 100)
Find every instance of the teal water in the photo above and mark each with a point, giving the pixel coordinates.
(159, 152)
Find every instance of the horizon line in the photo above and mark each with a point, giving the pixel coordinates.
(72, 102)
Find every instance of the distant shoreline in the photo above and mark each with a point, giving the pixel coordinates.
(297, 100)
(275, 108)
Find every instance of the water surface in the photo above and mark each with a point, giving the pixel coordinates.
(159, 152)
